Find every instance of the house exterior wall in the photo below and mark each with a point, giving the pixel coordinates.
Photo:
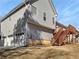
(17, 23)
(43, 6)
(7, 26)
(37, 32)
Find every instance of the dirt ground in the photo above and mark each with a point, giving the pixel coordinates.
(52, 52)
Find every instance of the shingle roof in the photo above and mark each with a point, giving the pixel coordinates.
(57, 23)
(61, 25)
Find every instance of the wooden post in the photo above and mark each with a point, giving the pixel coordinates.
(69, 38)
(72, 38)
(74, 41)
(75, 38)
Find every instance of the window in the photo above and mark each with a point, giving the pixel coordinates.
(44, 16)
(53, 20)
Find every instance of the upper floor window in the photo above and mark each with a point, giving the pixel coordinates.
(44, 16)
(53, 19)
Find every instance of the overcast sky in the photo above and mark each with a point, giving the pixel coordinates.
(67, 10)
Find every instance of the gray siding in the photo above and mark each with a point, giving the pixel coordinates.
(17, 23)
(41, 7)
(7, 26)
(37, 32)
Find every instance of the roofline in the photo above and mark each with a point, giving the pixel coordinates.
(74, 27)
(53, 7)
(13, 11)
(16, 9)
(21, 5)
(57, 23)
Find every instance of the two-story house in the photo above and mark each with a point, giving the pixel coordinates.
(32, 19)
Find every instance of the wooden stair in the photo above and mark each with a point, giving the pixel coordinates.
(60, 36)
(63, 36)
(56, 36)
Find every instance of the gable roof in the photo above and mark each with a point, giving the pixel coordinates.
(61, 25)
(17, 8)
(22, 5)
(53, 7)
